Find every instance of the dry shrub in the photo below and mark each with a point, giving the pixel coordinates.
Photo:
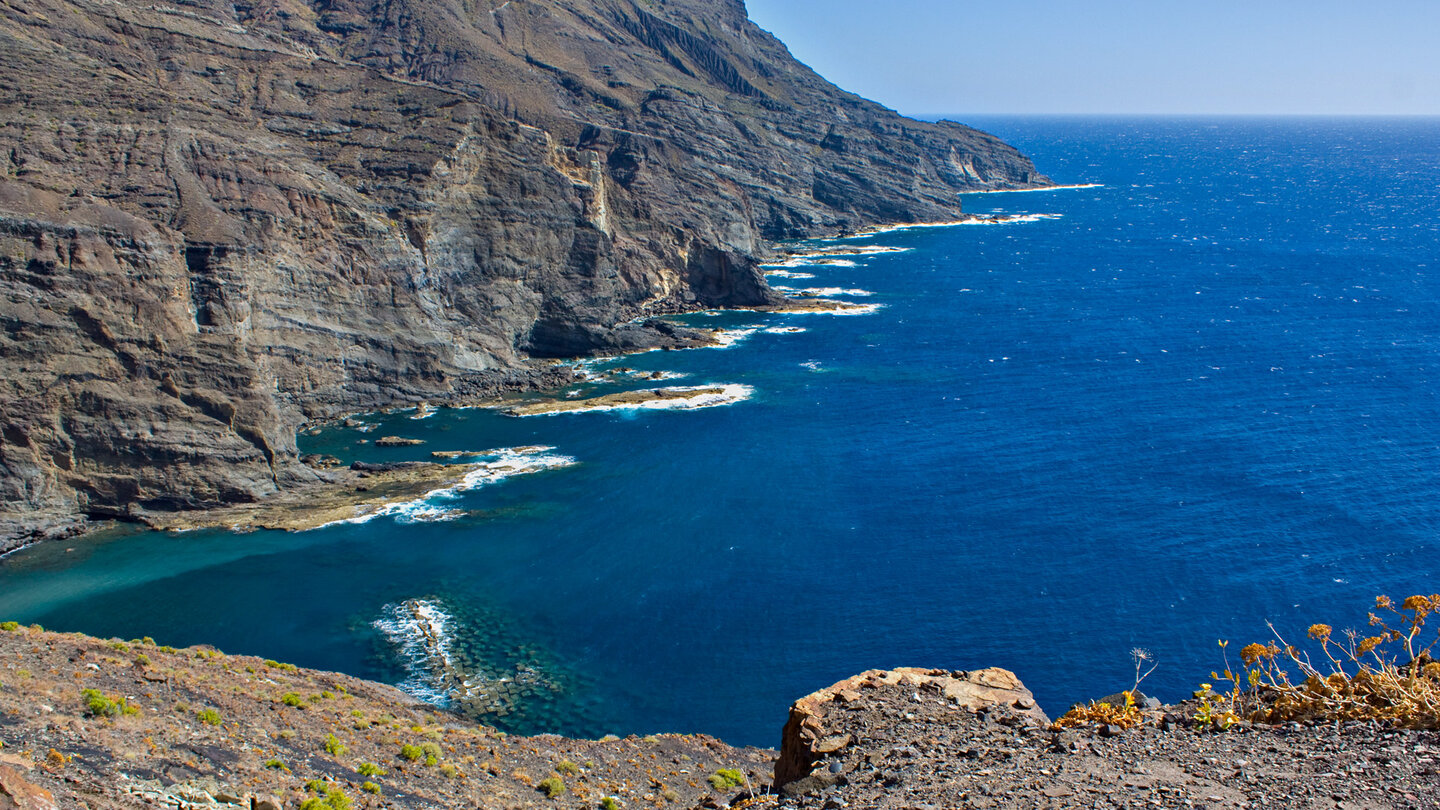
(1109, 714)
(1387, 675)
(1103, 714)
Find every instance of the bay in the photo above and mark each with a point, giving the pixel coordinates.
(1198, 395)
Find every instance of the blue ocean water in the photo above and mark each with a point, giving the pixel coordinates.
(1201, 396)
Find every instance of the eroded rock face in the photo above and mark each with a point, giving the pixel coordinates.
(820, 723)
(219, 221)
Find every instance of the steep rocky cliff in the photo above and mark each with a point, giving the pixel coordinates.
(219, 220)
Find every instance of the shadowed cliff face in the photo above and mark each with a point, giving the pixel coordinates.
(219, 220)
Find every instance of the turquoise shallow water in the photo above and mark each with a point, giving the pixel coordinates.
(1202, 396)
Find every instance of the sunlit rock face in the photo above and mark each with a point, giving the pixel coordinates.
(219, 221)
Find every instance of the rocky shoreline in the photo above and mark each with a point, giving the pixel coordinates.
(119, 725)
(223, 222)
(353, 494)
(330, 493)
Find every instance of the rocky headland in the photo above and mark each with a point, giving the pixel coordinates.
(91, 723)
(220, 222)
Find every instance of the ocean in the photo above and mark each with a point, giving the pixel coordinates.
(1197, 394)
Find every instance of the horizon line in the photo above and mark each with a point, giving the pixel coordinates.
(935, 116)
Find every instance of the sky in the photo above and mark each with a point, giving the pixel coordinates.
(1242, 57)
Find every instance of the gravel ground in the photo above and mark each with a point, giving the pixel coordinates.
(218, 731)
(256, 747)
(914, 748)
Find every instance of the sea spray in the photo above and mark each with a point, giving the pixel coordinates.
(478, 663)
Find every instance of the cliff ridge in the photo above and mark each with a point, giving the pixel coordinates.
(221, 221)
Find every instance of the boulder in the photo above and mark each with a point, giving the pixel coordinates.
(808, 738)
(19, 793)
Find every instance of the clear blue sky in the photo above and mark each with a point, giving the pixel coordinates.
(1122, 56)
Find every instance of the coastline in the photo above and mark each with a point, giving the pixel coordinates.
(535, 376)
(968, 219)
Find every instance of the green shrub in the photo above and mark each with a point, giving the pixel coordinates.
(370, 787)
(609, 803)
(143, 660)
(209, 717)
(370, 769)
(101, 706)
(334, 747)
(330, 798)
(567, 767)
(552, 786)
(276, 765)
(292, 699)
(410, 752)
(726, 778)
(9, 627)
(335, 801)
(273, 664)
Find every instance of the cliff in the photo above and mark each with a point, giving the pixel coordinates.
(201, 729)
(220, 221)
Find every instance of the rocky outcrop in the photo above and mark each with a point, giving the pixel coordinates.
(220, 221)
(17, 792)
(819, 723)
(933, 739)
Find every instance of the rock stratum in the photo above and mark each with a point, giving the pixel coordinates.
(220, 221)
(202, 729)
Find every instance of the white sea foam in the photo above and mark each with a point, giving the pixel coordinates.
(1013, 220)
(1034, 190)
(827, 292)
(811, 260)
(420, 629)
(705, 396)
(863, 309)
(847, 252)
(640, 374)
(882, 229)
(506, 462)
(999, 219)
(586, 371)
(784, 330)
(788, 274)
(728, 338)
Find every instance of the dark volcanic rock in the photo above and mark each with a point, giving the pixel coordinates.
(220, 221)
